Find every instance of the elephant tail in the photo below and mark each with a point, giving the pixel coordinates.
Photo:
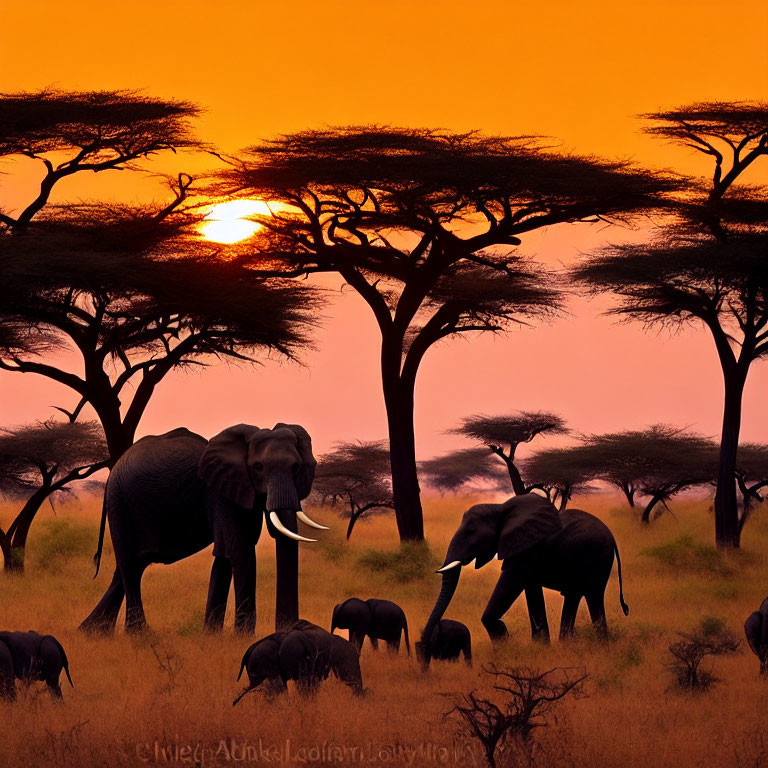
(102, 529)
(624, 606)
(242, 694)
(64, 659)
(405, 634)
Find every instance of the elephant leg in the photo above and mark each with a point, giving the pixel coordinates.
(537, 613)
(135, 620)
(374, 642)
(218, 593)
(54, 688)
(596, 605)
(568, 619)
(103, 617)
(244, 571)
(393, 646)
(7, 674)
(506, 591)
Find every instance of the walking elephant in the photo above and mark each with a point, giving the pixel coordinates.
(30, 656)
(449, 639)
(376, 619)
(571, 552)
(306, 654)
(756, 630)
(169, 496)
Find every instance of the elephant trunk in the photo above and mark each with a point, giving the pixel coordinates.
(281, 494)
(447, 590)
(287, 579)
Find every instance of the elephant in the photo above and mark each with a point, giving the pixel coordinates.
(378, 619)
(30, 656)
(306, 654)
(756, 630)
(170, 496)
(449, 639)
(571, 552)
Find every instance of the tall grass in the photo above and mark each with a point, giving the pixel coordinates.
(165, 698)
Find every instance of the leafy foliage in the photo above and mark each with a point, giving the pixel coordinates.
(455, 470)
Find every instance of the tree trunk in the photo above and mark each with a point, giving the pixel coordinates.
(646, 518)
(727, 533)
(518, 486)
(398, 398)
(14, 560)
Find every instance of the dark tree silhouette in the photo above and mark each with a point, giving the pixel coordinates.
(710, 638)
(453, 471)
(503, 435)
(133, 298)
(710, 270)
(421, 223)
(561, 473)
(657, 462)
(357, 474)
(71, 132)
(751, 476)
(38, 461)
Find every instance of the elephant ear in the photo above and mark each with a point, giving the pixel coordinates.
(528, 520)
(223, 464)
(306, 474)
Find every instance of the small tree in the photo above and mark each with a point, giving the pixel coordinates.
(71, 132)
(38, 461)
(357, 474)
(751, 476)
(525, 699)
(456, 469)
(503, 435)
(710, 639)
(561, 473)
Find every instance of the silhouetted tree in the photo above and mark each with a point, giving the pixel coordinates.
(456, 469)
(71, 132)
(710, 638)
(421, 223)
(134, 297)
(38, 461)
(710, 270)
(751, 476)
(561, 473)
(357, 474)
(510, 430)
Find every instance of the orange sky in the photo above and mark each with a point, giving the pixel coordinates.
(575, 71)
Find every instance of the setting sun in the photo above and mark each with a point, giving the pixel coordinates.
(227, 222)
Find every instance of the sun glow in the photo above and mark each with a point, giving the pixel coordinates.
(227, 222)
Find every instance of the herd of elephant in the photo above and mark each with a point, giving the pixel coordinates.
(172, 495)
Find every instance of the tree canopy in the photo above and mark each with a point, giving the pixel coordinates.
(455, 470)
(74, 131)
(421, 224)
(561, 473)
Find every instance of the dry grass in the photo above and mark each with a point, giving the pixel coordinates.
(146, 700)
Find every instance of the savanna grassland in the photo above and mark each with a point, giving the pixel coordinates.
(166, 698)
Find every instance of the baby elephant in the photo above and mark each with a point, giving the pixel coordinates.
(449, 639)
(756, 630)
(29, 656)
(376, 619)
(306, 654)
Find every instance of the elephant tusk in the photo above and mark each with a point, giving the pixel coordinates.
(311, 523)
(448, 567)
(275, 520)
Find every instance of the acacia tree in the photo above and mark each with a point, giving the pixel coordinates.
(356, 473)
(71, 132)
(561, 473)
(710, 270)
(133, 298)
(422, 224)
(751, 476)
(456, 469)
(38, 461)
(510, 430)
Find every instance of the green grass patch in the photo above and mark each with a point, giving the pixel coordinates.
(413, 561)
(59, 541)
(686, 554)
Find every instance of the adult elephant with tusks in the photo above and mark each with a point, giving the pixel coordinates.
(571, 552)
(169, 496)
